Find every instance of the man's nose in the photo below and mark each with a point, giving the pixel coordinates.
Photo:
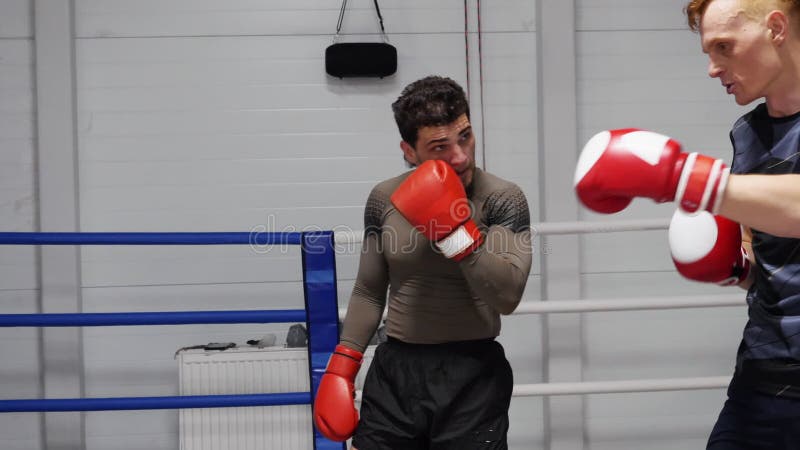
(459, 156)
(714, 70)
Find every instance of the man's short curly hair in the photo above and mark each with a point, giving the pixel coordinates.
(696, 8)
(430, 101)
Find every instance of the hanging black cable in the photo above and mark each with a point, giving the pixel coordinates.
(466, 43)
(380, 17)
(480, 78)
(341, 17)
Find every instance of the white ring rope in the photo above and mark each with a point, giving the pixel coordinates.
(344, 237)
(547, 228)
(615, 387)
(627, 304)
(601, 305)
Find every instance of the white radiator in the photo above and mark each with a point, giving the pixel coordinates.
(248, 371)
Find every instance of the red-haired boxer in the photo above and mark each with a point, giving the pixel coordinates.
(753, 47)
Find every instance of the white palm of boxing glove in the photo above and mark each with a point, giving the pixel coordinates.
(708, 248)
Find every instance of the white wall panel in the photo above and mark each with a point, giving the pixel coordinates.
(509, 120)
(277, 204)
(526, 423)
(656, 344)
(17, 153)
(655, 420)
(19, 371)
(655, 80)
(228, 218)
(251, 142)
(117, 18)
(194, 297)
(521, 339)
(631, 251)
(499, 16)
(19, 347)
(16, 19)
(630, 15)
(279, 145)
(235, 173)
(22, 343)
(509, 126)
(132, 430)
(168, 265)
(663, 344)
(18, 267)
(180, 267)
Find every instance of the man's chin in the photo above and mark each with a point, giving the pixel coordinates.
(743, 100)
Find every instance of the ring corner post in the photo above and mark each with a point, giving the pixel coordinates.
(322, 312)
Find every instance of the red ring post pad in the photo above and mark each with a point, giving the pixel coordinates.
(213, 238)
(322, 306)
(151, 318)
(135, 403)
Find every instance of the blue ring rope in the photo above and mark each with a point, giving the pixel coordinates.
(317, 279)
(212, 238)
(176, 402)
(151, 318)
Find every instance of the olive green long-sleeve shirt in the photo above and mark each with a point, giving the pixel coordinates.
(432, 299)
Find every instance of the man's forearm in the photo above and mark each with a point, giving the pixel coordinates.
(767, 203)
(365, 310)
(498, 271)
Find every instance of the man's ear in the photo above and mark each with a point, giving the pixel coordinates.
(409, 153)
(777, 25)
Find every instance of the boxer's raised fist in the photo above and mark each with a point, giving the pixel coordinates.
(618, 165)
(434, 201)
(708, 248)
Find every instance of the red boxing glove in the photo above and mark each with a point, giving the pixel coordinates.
(708, 248)
(618, 165)
(433, 200)
(335, 412)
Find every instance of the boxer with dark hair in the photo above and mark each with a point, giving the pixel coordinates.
(451, 243)
(753, 47)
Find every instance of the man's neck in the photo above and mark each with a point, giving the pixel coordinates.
(784, 105)
(784, 100)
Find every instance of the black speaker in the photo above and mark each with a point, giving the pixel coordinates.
(361, 59)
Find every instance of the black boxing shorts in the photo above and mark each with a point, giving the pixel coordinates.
(454, 395)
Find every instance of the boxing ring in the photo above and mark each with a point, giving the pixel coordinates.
(321, 316)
